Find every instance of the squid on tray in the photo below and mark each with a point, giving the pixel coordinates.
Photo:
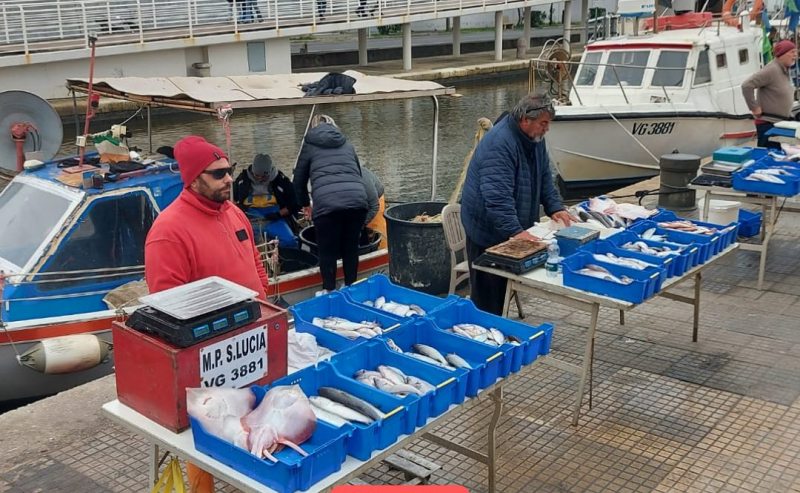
(284, 417)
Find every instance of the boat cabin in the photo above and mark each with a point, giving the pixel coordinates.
(671, 67)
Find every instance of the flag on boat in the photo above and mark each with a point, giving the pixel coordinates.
(766, 43)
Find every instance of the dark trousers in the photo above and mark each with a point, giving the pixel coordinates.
(763, 140)
(337, 238)
(487, 291)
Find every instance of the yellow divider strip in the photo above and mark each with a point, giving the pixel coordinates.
(446, 382)
(393, 412)
(536, 335)
(494, 356)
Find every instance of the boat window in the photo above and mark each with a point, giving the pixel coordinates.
(670, 68)
(702, 72)
(588, 69)
(743, 56)
(628, 66)
(109, 234)
(722, 60)
(27, 216)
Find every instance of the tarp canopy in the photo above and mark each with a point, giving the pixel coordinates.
(250, 91)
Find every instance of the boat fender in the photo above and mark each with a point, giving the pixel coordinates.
(66, 354)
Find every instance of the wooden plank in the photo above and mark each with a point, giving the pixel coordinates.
(432, 466)
(415, 468)
(357, 482)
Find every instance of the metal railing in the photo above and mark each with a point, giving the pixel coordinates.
(35, 26)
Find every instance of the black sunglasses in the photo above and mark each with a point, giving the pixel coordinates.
(220, 173)
(549, 107)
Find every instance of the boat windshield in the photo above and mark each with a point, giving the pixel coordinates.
(670, 69)
(588, 69)
(625, 68)
(27, 216)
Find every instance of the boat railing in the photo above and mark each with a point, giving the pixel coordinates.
(71, 276)
(556, 71)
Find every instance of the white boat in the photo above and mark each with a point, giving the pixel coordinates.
(636, 98)
(54, 282)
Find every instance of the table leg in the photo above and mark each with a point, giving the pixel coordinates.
(587, 363)
(698, 280)
(507, 302)
(497, 397)
(706, 203)
(153, 460)
(622, 317)
(770, 228)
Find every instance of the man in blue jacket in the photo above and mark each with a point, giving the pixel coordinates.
(507, 180)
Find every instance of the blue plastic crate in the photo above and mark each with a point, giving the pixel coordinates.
(379, 285)
(680, 260)
(749, 223)
(464, 311)
(657, 263)
(703, 243)
(484, 360)
(363, 439)
(741, 183)
(641, 288)
(336, 304)
(450, 388)
(726, 232)
(326, 452)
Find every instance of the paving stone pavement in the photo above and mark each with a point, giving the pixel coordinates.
(668, 415)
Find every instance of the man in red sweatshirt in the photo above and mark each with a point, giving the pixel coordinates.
(202, 234)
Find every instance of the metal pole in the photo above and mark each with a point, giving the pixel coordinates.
(85, 24)
(566, 19)
(149, 130)
(5, 24)
(141, 21)
(435, 146)
(108, 13)
(457, 36)
(155, 17)
(24, 28)
(60, 22)
(189, 16)
(498, 35)
(526, 26)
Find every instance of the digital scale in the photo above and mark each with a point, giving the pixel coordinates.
(197, 311)
(515, 255)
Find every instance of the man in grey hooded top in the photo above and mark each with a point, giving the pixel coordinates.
(339, 197)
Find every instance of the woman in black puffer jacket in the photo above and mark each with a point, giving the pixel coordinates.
(330, 162)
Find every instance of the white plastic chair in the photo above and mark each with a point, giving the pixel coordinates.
(457, 243)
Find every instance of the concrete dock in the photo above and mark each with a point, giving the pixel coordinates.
(669, 415)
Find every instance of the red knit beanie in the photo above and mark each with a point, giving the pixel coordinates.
(782, 47)
(194, 154)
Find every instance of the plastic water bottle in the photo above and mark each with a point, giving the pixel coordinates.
(553, 259)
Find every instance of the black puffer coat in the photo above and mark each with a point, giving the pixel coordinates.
(331, 163)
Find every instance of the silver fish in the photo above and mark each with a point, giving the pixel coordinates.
(393, 346)
(430, 352)
(328, 416)
(351, 401)
(391, 373)
(432, 361)
(340, 410)
(420, 384)
(648, 233)
(458, 361)
(497, 336)
(387, 385)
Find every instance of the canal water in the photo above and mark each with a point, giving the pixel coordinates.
(393, 138)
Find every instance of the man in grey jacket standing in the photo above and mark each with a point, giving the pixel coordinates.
(769, 93)
(508, 178)
(339, 210)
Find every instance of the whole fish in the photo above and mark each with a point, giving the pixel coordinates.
(430, 352)
(457, 361)
(397, 308)
(765, 177)
(387, 385)
(340, 410)
(327, 416)
(420, 384)
(432, 361)
(497, 336)
(351, 401)
(392, 374)
(393, 346)
(593, 270)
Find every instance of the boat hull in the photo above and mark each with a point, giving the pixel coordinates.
(21, 383)
(593, 150)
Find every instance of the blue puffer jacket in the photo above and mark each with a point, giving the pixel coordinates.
(331, 163)
(508, 178)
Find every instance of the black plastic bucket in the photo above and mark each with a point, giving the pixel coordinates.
(293, 259)
(369, 241)
(677, 170)
(418, 253)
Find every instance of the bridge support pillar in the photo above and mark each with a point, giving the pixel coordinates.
(407, 46)
(456, 36)
(526, 27)
(498, 35)
(362, 47)
(567, 20)
(585, 21)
